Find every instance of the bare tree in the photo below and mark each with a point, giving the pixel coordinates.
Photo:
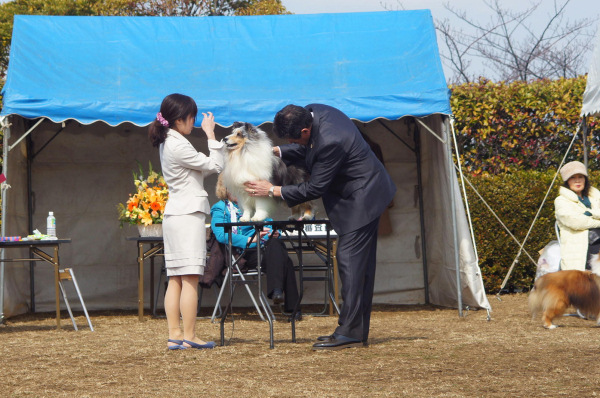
(514, 45)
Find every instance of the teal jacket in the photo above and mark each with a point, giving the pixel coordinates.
(220, 214)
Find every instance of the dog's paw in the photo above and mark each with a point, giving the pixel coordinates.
(244, 219)
(550, 327)
(260, 215)
(308, 217)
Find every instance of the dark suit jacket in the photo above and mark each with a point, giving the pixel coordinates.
(353, 183)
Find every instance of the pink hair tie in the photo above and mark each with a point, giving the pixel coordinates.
(162, 120)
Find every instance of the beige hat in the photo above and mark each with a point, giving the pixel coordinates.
(572, 168)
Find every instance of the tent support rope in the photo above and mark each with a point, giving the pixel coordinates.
(516, 260)
(497, 217)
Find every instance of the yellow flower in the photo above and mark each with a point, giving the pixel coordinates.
(147, 205)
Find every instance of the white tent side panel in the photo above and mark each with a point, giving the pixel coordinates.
(437, 190)
(591, 96)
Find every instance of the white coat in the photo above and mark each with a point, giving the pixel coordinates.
(184, 170)
(574, 226)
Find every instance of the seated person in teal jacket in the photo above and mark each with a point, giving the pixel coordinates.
(281, 278)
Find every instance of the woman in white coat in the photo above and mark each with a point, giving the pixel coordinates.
(184, 227)
(577, 211)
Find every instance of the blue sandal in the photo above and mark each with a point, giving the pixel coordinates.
(208, 345)
(178, 346)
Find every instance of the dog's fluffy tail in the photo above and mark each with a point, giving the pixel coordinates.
(545, 294)
(535, 301)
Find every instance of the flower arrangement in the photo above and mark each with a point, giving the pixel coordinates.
(147, 205)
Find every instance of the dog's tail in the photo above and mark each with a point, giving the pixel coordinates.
(542, 296)
(534, 301)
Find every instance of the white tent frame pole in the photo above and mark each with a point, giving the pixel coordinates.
(464, 190)
(5, 126)
(516, 260)
(453, 213)
(443, 141)
(446, 142)
(27, 133)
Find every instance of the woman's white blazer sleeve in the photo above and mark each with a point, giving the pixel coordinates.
(188, 157)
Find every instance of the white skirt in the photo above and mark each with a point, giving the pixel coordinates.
(184, 237)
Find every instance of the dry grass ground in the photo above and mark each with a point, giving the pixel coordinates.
(416, 351)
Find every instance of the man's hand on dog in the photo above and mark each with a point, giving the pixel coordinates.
(258, 188)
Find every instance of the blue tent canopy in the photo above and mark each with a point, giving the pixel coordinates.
(118, 69)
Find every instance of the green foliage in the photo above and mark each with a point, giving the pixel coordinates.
(263, 7)
(503, 127)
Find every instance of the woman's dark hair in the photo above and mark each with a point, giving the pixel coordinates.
(586, 187)
(290, 121)
(173, 107)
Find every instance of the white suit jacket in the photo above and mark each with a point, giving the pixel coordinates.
(574, 226)
(184, 170)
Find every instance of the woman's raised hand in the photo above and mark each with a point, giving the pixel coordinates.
(208, 125)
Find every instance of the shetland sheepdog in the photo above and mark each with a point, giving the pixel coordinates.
(250, 158)
(554, 292)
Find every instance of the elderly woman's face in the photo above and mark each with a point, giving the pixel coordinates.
(577, 183)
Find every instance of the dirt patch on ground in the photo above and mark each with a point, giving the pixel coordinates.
(417, 351)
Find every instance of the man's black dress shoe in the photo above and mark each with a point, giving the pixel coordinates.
(325, 338)
(332, 336)
(277, 296)
(338, 342)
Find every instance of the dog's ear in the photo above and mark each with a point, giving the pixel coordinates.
(237, 125)
(251, 130)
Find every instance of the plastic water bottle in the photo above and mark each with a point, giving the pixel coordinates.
(51, 224)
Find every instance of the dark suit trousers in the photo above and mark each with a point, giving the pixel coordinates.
(280, 271)
(357, 259)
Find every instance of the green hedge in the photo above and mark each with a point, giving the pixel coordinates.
(516, 198)
(502, 127)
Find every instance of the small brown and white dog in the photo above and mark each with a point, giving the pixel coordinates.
(554, 292)
(250, 158)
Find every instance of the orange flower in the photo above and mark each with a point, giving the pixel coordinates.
(155, 206)
(132, 203)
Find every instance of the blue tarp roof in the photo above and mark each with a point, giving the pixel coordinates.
(118, 69)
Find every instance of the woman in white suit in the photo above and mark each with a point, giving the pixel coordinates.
(184, 231)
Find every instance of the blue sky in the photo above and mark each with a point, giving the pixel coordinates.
(576, 9)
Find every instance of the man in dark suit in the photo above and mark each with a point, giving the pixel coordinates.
(355, 188)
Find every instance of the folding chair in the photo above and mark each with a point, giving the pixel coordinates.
(68, 275)
(238, 275)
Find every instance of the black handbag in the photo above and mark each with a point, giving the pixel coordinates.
(593, 236)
